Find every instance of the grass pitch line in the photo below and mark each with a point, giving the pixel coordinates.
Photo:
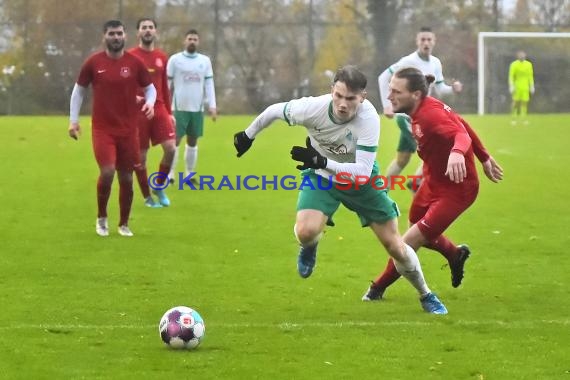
(300, 325)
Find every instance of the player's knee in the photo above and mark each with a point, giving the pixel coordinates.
(307, 233)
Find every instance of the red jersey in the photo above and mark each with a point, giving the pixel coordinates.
(155, 62)
(438, 130)
(115, 85)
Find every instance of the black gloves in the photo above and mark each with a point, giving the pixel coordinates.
(308, 156)
(242, 143)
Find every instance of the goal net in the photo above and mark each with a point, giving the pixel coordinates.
(550, 56)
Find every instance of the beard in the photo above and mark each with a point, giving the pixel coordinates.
(403, 108)
(191, 49)
(147, 40)
(115, 46)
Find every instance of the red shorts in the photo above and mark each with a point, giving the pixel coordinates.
(434, 211)
(120, 152)
(156, 130)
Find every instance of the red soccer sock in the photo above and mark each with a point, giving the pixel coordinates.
(165, 169)
(103, 194)
(125, 201)
(142, 178)
(444, 246)
(388, 277)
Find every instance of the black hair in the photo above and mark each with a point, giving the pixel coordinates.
(192, 31)
(112, 24)
(353, 78)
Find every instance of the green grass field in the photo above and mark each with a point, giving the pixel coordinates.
(77, 306)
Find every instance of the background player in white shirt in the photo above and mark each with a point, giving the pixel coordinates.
(344, 129)
(423, 60)
(191, 82)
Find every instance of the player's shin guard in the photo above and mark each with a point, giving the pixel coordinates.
(191, 157)
(103, 194)
(142, 179)
(388, 277)
(171, 173)
(412, 271)
(162, 168)
(125, 201)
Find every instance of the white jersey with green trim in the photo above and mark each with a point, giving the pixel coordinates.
(431, 66)
(187, 73)
(335, 141)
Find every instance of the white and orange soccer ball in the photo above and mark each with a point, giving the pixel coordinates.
(182, 328)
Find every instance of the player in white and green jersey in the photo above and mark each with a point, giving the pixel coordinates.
(423, 60)
(343, 129)
(191, 82)
(521, 85)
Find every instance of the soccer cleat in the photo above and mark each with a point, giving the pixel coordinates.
(102, 227)
(149, 202)
(374, 293)
(162, 198)
(125, 231)
(306, 260)
(432, 304)
(457, 267)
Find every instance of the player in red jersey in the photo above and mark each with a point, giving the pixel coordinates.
(447, 145)
(115, 76)
(159, 129)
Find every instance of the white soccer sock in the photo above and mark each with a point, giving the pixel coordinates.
(191, 156)
(393, 169)
(174, 162)
(412, 271)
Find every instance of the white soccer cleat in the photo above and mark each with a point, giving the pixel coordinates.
(125, 231)
(102, 227)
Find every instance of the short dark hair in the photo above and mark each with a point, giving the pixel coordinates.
(192, 31)
(417, 81)
(140, 20)
(425, 29)
(112, 24)
(352, 77)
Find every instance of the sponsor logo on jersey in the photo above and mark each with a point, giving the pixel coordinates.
(125, 72)
(417, 130)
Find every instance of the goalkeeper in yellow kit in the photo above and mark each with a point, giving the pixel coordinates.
(521, 85)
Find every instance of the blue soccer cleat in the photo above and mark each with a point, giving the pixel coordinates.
(149, 202)
(162, 198)
(306, 260)
(432, 304)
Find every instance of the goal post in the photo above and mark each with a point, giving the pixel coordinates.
(482, 58)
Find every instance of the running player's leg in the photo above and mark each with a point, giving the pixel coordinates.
(128, 155)
(104, 148)
(194, 132)
(315, 208)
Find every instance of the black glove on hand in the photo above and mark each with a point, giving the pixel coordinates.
(308, 156)
(242, 143)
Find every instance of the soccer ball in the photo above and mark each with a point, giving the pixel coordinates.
(182, 327)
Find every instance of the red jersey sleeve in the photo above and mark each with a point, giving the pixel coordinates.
(478, 148)
(165, 89)
(143, 76)
(86, 73)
